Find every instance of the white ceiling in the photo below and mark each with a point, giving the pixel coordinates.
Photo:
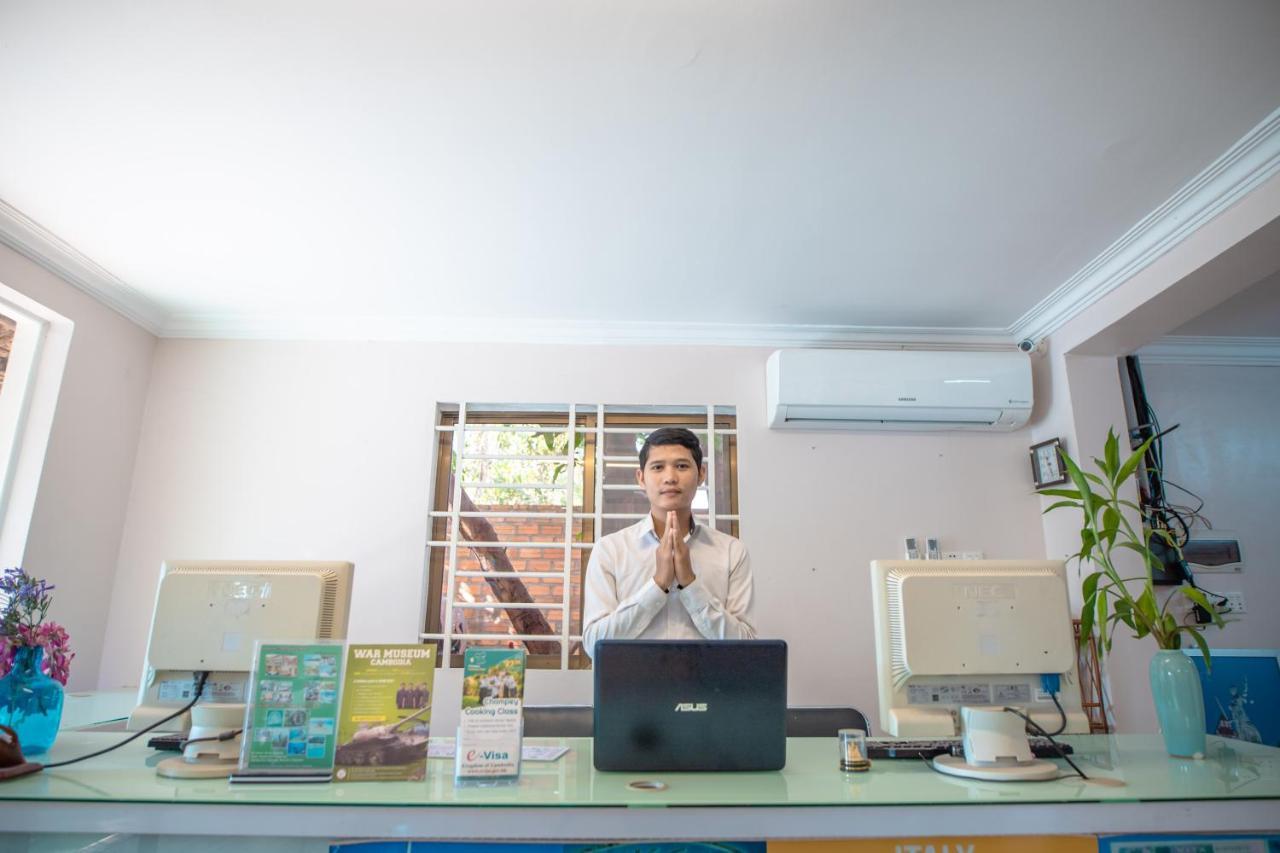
(867, 164)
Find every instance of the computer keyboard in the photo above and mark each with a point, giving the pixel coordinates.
(168, 743)
(929, 747)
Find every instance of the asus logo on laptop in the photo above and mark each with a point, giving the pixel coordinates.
(691, 706)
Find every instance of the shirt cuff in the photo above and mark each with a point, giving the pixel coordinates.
(653, 597)
(695, 597)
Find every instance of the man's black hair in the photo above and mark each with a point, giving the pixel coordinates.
(672, 435)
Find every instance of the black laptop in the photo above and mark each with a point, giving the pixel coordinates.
(690, 705)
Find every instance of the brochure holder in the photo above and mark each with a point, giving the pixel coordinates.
(291, 721)
(384, 728)
(490, 731)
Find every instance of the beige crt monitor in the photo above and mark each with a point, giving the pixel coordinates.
(951, 633)
(210, 613)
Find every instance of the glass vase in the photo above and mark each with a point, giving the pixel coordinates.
(31, 702)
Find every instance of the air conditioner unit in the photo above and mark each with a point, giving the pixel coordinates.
(847, 389)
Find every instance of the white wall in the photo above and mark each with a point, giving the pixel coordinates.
(1227, 450)
(318, 450)
(79, 512)
(1086, 401)
(1079, 378)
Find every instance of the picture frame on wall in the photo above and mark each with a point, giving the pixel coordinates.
(1047, 468)
(1241, 693)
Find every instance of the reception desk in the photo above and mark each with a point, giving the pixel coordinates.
(1236, 788)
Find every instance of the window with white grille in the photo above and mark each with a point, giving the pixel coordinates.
(522, 494)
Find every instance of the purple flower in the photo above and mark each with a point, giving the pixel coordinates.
(22, 624)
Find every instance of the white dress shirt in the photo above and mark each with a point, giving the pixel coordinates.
(622, 601)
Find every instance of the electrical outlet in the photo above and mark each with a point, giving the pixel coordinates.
(1235, 601)
(962, 555)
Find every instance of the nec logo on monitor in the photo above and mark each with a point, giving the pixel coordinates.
(691, 707)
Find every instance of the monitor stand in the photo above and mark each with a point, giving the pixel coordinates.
(212, 758)
(1036, 770)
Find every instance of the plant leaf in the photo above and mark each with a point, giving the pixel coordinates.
(1141, 549)
(1112, 453)
(1198, 597)
(1147, 606)
(1131, 464)
(1204, 647)
(1110, 524)
(1087, 542)
(1090, 590)
(1060, 493)
(1124, 612)
(1090, 586)
(1102, 623)
(1100, 604)
(1061, 504)
(1077, 477)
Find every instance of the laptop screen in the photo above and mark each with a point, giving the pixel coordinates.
(690, 705)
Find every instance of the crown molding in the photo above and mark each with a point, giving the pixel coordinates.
(31, 239)
(1248, 163)
(1252, 160)
(541, 331)
(1217, 350)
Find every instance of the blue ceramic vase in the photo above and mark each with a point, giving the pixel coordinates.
(31, 702)
(1175, 688)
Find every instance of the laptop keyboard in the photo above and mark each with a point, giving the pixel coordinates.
(929, 747)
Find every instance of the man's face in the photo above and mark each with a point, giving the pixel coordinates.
(670, 478)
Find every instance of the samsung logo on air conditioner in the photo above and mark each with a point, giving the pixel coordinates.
(691, 707)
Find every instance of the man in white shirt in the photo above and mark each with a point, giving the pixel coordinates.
(666, 577)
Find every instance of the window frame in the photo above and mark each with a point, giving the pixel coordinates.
(28, 402)
(593, 422)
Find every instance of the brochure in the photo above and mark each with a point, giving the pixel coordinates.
(385, 722)
(293, 709)
(488, 742)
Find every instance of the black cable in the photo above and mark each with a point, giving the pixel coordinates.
(227, 735)
(1061, 753)
(928, 762)
(1061, 713)
(1195, 511)
(1158, 512)
(201, 678)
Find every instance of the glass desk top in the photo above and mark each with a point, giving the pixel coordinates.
(1231, 771)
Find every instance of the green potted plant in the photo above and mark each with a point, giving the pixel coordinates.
(1111, 600)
